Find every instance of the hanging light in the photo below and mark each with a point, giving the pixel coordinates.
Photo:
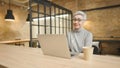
(9, 16)
(28, 18)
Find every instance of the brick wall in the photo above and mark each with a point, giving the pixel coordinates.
(104, 22)
(16, 29)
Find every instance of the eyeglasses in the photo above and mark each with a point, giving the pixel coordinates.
(79, 20)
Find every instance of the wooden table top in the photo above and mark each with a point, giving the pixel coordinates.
(26, 57)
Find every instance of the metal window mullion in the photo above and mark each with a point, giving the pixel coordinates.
(50, 21)
(30, 11)
(59, 19)
(68, 22)
(45, 18)
(55, 18)
(66, 25)
(38, 9)
(62, 21)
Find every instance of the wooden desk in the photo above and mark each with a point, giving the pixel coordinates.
(25, 57)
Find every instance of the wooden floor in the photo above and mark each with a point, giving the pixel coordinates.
(24, 57)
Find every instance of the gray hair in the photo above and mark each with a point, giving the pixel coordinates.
(80, 13)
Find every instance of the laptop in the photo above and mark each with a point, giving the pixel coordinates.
(54, 45)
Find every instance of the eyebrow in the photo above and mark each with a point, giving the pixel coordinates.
(78, 18)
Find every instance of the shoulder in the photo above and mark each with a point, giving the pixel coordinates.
(87, 32)
(69, 34)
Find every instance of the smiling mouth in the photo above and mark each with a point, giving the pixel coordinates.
(76, 25)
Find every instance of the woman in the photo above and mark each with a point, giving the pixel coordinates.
(79, 37)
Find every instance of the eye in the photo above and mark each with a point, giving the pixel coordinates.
(79, 20)
(74, 19)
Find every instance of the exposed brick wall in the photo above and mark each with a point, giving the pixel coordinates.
(69, 4)
(104, 22)
(89, 4)
(16, 29)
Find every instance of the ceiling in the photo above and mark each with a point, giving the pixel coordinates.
(22, 3)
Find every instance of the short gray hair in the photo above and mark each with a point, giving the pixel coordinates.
(80, 13)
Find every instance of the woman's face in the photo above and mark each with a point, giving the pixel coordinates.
(78, 22)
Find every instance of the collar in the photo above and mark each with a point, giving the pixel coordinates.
(79, 30)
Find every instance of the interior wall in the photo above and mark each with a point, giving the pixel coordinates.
(103, 23)
(69, 4)
(89, 4)
(13, 30)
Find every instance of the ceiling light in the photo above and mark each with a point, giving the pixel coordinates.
(28, 18)
(9, 16)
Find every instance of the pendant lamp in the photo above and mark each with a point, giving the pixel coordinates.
(28, 18)
(9, 16)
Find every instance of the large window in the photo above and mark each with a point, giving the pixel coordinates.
(48, 18)
(60, 24)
